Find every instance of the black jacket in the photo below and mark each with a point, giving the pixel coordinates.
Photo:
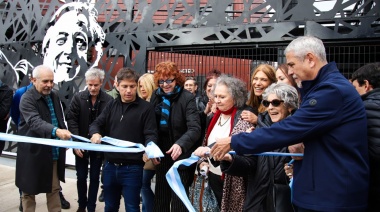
(133, 122)
(6, 95)
(371, 102)
(34, 163)
(259, 170)
(79, 115)
(184, 123)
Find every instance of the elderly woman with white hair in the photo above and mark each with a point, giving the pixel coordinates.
(265, 173)
(230, 96)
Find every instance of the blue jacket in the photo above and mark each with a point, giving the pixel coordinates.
(15, 110)
(331, 122)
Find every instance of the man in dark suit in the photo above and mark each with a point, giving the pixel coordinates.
(39, 168)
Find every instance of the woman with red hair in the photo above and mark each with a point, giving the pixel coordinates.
(178, 130)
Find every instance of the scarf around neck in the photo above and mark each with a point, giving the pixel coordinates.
(166, 102)
(215, 118)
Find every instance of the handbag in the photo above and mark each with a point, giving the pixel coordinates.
(201, 195)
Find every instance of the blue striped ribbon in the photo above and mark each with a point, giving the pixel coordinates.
(117, 145)
(174, 180)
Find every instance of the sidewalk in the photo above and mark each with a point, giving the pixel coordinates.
(9, 195)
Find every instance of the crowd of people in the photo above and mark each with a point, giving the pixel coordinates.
(302, 106)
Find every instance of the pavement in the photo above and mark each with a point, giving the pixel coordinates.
(10, 198)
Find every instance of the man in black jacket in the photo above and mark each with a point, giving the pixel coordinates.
(6, 94)
(128, 118)
(84, 108)
(366, 80)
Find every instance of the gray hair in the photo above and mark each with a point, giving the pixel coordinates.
(236, 88)
(37, 70)
(284, 92)
(94, 73)
(305, 44)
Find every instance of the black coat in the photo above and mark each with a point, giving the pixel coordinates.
(259, 171)
(34, 163)
(134, 121)
(184, 123)
(371, 102)
(6, 94)
(79, 115)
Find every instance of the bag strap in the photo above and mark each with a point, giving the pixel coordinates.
(193, 186)
(201, 195)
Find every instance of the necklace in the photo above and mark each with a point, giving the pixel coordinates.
(220, 121)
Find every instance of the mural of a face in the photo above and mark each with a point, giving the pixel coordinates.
(66, 51)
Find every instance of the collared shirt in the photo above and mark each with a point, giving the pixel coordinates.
(54, 122)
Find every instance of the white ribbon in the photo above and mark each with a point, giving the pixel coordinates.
(117, 145)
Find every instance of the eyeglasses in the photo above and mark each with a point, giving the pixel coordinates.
(168, 81)
(274, 102)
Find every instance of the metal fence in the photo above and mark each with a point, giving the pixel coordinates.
(240, 61)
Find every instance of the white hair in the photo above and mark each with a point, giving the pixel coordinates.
(94, 73)
(37, 70)
(305, 44)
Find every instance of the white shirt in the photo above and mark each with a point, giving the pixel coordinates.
(218, 132)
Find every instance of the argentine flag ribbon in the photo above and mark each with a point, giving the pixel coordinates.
(174, 180)
(153, 151)
(116, 144)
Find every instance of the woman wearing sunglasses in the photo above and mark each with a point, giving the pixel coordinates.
(178, 130)
(263, 172)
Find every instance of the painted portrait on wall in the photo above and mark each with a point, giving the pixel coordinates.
(65, 47)
(72, 45)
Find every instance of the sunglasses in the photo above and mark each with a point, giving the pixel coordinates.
(168, 81)
(274, 102)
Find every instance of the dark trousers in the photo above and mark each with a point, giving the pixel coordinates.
(147, 194)
(165, 199)
(122, 179)
(93, 159)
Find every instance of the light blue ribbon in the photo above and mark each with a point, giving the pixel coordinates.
(117, 145)
(174, 180)
(153, 151)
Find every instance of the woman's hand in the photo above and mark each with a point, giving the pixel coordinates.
(288, 170)
(175, 151)
(201, 151)
(249, 130)
(247, 115)
(210, 107)
(227, 157)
